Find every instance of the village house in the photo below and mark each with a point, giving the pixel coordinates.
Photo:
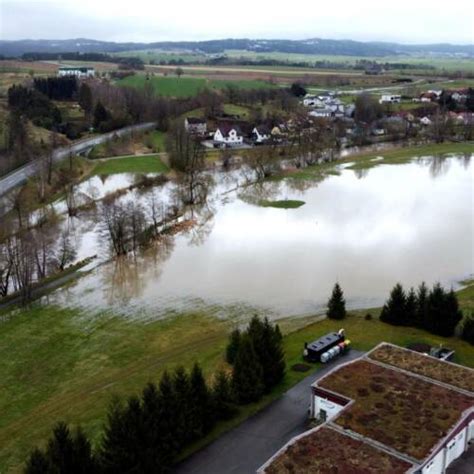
(228, 135)
(392, 410)
(390, 99)
(195, 125)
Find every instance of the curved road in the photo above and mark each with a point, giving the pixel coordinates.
(20, 175)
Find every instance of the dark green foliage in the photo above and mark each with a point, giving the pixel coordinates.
(85, 98)
(34, 105)
(336, 304)
(222, 397)
(233, 346)
(394, 310)
(436, 311)
(182, 392)
(468, 329)
(100, 114)
(65, 454)
(297, 90)
(37, 463)
(57, 88)
(201, 417)
(247, 384)
(470, 99)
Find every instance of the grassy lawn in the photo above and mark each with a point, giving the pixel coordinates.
(171, 86)
(284, 204)
(66, 365)
(131, 164)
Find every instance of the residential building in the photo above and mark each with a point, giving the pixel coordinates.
(228, 135)
(195, 125)
(261, 134)
(80, 72)
(390, 99)
(392, 410)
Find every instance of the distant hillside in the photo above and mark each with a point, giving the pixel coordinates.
(310, 46)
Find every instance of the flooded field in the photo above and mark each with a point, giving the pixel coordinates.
(365, 228)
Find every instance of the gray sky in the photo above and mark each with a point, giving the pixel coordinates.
(407, 21)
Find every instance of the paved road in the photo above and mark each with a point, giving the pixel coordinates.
(19, 176)
(464, 464)
(245, 448)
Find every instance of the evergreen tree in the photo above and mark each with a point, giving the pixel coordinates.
(85, 99)
(411, 308)
(443, 314)
(222, 396)
(37, 463)
(393, 311)
(201, 419)
(60, 450)
(421, 304)
(336, 304)
(122, 439)
(168, 413)
(233, 346)
(100, 114)
(247, 376)
(182, 392)
(468, 329)
(155, 459)
(83, 457)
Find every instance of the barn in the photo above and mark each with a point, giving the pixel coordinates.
(413, 412)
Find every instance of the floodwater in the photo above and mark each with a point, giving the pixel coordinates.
(366, 229)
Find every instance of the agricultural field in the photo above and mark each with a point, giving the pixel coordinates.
(76, 361)
(186, 86)
(131, 164)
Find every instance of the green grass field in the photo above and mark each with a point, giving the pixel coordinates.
(131, 164)
(64, 364)
(172, 86)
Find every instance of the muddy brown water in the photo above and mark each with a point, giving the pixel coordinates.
(366, 229)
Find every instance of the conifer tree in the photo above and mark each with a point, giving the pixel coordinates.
(443, 314)
(100, 114)
(247, 376)
(201, 418)
(410, 308)
(421, 303)
(183, 400)
(37, 463)
(393, 311)
(468, 329)
(233, 346)
(60, 450)
(336, 304)
(222, 396)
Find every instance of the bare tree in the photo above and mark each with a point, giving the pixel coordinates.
(6, 269)
(114, 221)
(65, 252)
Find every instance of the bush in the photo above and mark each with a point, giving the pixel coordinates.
(368, 317)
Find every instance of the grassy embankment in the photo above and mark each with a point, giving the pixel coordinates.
(186, 86)
(131, 164)
(67, 364)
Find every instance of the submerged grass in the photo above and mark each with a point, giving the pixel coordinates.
(283, 204)
(64, 364)
(131, 164)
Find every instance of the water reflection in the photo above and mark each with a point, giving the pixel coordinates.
(407, 223)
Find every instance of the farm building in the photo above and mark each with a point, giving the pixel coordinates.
(79, 72)
(390, 99)
(195, 125)
(391, 411)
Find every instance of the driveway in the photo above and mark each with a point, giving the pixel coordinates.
(464, 464)
(245, 448)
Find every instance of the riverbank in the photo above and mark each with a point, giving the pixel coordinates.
(65, 364)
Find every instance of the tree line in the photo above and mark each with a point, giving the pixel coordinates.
(435, 310)
(147, 433)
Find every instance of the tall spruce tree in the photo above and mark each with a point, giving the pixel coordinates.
(468, 329)
(202, 418)
(247, 384)
(394, 309)
(336, 304)
(411, 308)
(421, 304)
(233, 346)
(442, 313)
(100, 114)
(182, 391)
(222, 396)
(37, 463)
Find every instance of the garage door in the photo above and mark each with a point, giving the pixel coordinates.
(435, 466)
(455, 447)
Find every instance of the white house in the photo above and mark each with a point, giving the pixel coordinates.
(195, 125)
(312, 101)
(230, 135)
(390, 99)
(325, 112)
(80, 72)
(261, 134)
(425, 121)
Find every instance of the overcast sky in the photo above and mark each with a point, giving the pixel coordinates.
(407, 21)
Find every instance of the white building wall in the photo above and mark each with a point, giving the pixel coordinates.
(331, 408)
(455, 447)
(436, 465)
(470, 435)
